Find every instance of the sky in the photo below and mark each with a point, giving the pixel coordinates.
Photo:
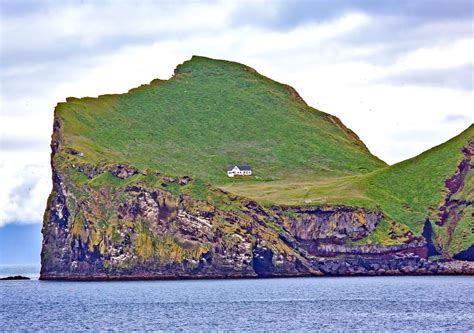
(398, 73)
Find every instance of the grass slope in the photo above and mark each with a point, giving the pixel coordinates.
(211, 114)
(414, 189)
(408, 192)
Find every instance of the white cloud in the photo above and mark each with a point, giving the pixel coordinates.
(26, 183)
(93, 49)
(456, 53)
(90, 24)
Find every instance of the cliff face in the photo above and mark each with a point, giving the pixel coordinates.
(455, 218)
(117, 222)
(140, 192)
(136, 232)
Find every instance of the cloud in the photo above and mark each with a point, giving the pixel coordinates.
(75, 29)
(25, 190)
(414, 135)
(454, 118)
(19, 144)
(288, 14)
(458, 78)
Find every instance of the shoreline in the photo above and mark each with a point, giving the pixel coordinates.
(450, 268)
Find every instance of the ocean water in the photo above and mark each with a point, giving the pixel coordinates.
(31, 271)
(443, 303)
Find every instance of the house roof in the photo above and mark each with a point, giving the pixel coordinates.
(241, 167)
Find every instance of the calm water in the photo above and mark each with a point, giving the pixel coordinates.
(375, 303)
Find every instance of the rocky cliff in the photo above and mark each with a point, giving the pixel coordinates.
(113, 216)
(117, 222)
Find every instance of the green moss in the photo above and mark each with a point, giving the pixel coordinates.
(466, 193)
(106, 264)
(406, 191)
(290, 213)
(460, 224)
(172, 250)
(463, 236)
(48, 205)
(143, 246)
(278, 228)
(199, 190)
(77, 177)
(106, 179)
(174, 188)
(166, 249)
(387, 232)
(78, 227)
(112, 232)
(95, 238)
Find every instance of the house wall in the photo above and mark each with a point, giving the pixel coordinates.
(237, 172)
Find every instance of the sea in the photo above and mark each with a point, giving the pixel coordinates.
(432, 303)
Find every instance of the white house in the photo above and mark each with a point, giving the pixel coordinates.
(239, 170)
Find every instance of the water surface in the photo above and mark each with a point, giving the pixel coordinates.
(364, 303)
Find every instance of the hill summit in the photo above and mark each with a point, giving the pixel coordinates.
(210, 114)
(141, 190)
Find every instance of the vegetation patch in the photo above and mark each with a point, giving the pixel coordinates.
(212, 114)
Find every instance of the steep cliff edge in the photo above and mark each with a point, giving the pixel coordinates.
(138, 188)
(138, 229)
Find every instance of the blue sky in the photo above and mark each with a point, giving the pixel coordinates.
(399, 73)
(20, 244)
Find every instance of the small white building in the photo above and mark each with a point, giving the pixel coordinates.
(239, 170)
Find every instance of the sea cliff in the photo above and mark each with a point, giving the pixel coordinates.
(117, 211)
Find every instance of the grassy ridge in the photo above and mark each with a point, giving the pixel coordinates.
(414, 189)
(211, 114)
(214, 113)
(408, 192)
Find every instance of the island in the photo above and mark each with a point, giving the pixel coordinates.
(15, 277)
(142, 189)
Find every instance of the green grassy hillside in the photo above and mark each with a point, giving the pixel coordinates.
(408, 193)
(211, 114)
(414, 189)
